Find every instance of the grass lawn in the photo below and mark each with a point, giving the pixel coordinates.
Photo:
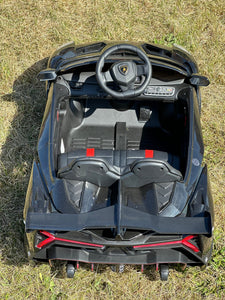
(29, 32)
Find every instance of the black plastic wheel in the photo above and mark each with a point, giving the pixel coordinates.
(164, 272)
(113, 268)
(70, 270)
(121, 268)
(117, 268)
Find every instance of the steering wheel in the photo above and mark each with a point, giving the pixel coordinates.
(124, 72)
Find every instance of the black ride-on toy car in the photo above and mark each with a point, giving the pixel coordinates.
(118, 176)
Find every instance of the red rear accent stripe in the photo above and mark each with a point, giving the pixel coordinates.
(52, 238)
(90, 152)
(184, 241)
(149, 153)
(188, 244)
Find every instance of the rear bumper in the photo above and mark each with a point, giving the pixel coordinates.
(157, 256)
(144, 249)
(55, 236)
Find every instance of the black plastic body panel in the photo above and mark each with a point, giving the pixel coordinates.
(69, 193)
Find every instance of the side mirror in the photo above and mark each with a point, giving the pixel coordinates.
(47, 75)
(199, 80)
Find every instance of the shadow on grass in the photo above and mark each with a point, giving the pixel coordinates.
(16, 160)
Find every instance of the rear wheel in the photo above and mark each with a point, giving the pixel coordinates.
(70, 270)
(164, 272)
(118, 268)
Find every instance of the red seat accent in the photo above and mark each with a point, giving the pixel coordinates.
(149, 153)
(90, 152)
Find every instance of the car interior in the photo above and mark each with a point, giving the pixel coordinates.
(131, 147)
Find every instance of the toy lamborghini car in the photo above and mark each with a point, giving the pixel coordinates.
(118, 176)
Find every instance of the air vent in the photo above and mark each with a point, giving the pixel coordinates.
(110, 234)
(123, 53)
(66, 50)
(154, 50)
(90, 48)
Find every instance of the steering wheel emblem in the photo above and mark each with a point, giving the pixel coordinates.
(123, 69)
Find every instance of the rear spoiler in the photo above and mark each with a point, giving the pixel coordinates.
(129, 218)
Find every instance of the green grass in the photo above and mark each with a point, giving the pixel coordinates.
(29, 32)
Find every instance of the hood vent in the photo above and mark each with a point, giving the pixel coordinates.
(90, 49)
(154, 50)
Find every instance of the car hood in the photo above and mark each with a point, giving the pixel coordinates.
(69, 55)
